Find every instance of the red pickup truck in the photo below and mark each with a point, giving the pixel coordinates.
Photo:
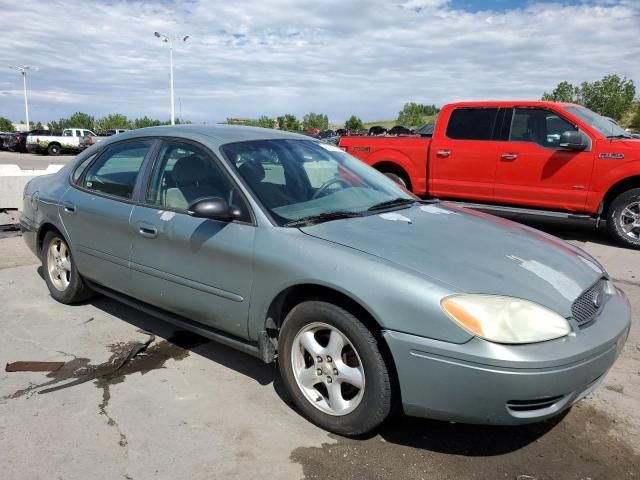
(537, 158)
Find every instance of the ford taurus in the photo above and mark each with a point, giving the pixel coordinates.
(293, 251)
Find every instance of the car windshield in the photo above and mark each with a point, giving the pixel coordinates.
(604, 125)
(299, 179)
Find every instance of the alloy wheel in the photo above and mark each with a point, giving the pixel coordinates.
(59, 264)
(327, 369)
(629, 220)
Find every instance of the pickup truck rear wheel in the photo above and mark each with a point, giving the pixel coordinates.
(333, 369)
(53, 149)
(623, 218)
(396, 178)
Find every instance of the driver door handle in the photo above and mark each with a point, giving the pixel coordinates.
(148, 231)
(69, 207)
(509, 157)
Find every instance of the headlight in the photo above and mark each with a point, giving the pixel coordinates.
(505, 319)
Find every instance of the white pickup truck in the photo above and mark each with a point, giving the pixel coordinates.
(72, 140)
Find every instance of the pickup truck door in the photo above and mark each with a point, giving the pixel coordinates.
(462, 159)
(532, 168)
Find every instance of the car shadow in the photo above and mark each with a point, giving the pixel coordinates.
(429, 435)
(463, 439)
(571, 230)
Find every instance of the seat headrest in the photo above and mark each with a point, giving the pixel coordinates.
(252, 171)
(188, 169)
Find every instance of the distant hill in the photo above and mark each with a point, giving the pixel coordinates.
(386, 123)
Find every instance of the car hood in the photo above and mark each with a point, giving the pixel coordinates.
(472, 252)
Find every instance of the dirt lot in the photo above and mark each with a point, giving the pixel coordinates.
(194, 409)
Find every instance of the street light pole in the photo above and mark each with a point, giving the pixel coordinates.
(168, 39)
(23, 70)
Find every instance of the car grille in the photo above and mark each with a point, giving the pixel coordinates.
(589, 304)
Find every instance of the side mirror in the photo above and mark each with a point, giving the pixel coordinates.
(573, 140)
(214, 208)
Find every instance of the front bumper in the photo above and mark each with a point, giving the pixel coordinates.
(29, 234)
(487, 383)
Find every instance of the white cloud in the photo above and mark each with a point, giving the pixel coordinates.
(339, 57)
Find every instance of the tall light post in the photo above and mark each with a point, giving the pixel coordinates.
(169, 39)
(23, 70)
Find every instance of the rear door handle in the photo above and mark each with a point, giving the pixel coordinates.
(443, 153)
(509, 157)
(148, 231)
(69, 207)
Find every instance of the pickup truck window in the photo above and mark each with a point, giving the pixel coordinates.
(67, 133)
(472, 123)
(538, 125)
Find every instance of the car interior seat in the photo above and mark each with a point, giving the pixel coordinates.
(194, 178)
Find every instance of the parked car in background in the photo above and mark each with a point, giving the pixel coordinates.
(425, 130)
(70, 140)
(115, 131)
(285, 247)
(341, 132)
(399, 130)
(377, 130)
(529, 158)
(8, 141)
(21, 137)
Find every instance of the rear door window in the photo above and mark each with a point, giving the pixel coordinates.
(472, 123)
(116, 170)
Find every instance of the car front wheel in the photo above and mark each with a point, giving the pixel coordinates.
(623, 218)
(61, 274)
(333, 368)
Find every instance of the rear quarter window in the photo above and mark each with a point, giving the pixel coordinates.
(472, 123)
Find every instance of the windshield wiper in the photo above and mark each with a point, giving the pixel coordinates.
(394, 202)
(619, 136)
(322, 217)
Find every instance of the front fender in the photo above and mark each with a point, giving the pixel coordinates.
(397, 298)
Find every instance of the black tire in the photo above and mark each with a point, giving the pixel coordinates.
(375, 403)
(615, 218)
(76, 290)
(53, 149)
(397, 178)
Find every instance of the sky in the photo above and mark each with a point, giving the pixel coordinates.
(338, 57)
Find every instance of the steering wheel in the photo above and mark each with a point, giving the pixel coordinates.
(322, 188)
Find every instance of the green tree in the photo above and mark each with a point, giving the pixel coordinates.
(413, 114)
(146, 122)
(113, 120)
(77, 120)
(635, 119)
(288, 122)
(564, 92)
(315, 120)
(611, 96)
(354, 123)
(6, 125)
(265, 122)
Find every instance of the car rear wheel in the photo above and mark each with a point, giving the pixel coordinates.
(63, 280)
(53, 149)
(332, 366)
(623, 218)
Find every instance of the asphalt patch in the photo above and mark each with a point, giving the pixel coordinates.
(576, 446)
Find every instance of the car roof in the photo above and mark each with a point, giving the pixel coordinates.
(217, 134)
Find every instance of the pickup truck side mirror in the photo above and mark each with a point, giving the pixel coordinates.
(573, 140)
(214, 208)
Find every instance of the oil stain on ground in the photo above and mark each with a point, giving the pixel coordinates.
(577, 446)
(154, 357)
